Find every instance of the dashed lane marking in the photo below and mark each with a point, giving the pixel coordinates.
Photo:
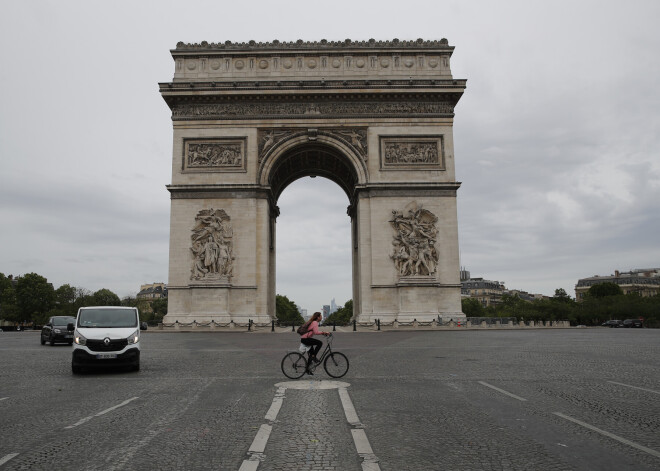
(502, 391)
(258, 446)
(610, 435)
(635, 387)
(110, 409)
(6, 458)
(3, 398)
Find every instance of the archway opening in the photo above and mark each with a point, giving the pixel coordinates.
(313, 229)
(313, 254)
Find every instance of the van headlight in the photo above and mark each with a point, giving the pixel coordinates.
(79, 339)
(134, 337)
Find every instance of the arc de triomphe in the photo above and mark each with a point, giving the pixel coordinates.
(375, 117)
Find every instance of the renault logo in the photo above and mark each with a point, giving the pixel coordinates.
(106, 341)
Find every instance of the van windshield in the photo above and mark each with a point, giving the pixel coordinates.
(107, 318)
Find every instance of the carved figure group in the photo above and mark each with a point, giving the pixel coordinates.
(214, 155)
(415, 253)
(212, 246)
(422, 152)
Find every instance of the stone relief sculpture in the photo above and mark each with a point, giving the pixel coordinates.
(215, 155)
(415, 252)
(355, 138)
(264, 110)
(212, 246)
(411, 153)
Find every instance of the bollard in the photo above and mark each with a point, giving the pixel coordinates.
(334, 327)
(378, 322)
(354, 325)
(249, 324)
(272, 326)
(293, 327)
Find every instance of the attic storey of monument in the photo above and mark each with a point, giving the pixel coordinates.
(375, 117)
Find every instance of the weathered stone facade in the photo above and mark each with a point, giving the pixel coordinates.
(375, 117)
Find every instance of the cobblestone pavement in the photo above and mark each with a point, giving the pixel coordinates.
(574, 399)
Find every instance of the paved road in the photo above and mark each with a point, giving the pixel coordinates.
(581, 399)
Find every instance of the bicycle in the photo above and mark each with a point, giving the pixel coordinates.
(294, 364)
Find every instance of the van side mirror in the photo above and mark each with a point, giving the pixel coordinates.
(143, 326)
(69, 327)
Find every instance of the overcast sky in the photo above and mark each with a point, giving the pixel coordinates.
(556, 137)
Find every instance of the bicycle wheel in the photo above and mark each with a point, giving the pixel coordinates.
(293, 365)
(336, 365)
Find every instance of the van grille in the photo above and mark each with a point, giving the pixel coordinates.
(114, 345)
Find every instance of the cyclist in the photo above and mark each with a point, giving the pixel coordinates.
(312, 330)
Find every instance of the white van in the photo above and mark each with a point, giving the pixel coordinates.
(106, 336)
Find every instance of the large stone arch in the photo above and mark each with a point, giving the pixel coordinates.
(374, 117)
(342, 164)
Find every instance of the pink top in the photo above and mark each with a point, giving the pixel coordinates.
(312, 330)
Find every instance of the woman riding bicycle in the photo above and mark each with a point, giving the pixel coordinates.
(312, 330)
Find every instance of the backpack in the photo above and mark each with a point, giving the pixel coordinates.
(302, 330)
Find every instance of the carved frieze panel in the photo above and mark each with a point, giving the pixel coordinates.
(354, 138)
(193, 111)
(412, 152)
(415, 253)
(212, 247)
(214, 155)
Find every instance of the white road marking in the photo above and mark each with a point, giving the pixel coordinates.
(259, 442)
(369, 460)
(610, 435)
(3, 398)
(256, 450)
(635, 387)
(6, 458)
(349, 410)
(110, 409)
(502, 391)
(271, 415)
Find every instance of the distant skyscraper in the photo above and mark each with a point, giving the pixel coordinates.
(326, 311)
(333, 306)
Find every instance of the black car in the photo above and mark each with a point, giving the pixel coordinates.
(55, 330)
(612, 323)
(633, 323)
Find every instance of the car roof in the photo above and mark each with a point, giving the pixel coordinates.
(108, 307)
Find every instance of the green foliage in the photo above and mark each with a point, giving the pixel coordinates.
(341, 316)
(286, 311)
(593, 310)
(602, 290)
(471, 307)
(159, 307)
(105, 297)
(34, 297)
(8, 307)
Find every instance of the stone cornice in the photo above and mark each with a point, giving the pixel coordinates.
(408, 189)
(314, 105)
(312, 60)
(218, 191)
(323, 44)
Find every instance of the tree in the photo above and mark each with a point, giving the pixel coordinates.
(605, 289)
(34, 296)
(341, 316)
(561, 296)
(159, 307)
(471, 307)
(105, 297)
(8, 307)
(286, 311)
